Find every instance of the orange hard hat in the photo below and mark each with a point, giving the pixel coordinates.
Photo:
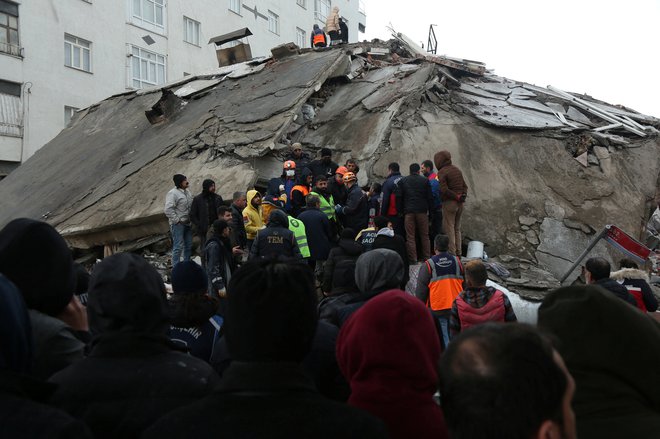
(289, 164)
(342, 170)
(349, 176)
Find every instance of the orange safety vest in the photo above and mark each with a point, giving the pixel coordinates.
(443, 287)
(318, 38)
(301, 188)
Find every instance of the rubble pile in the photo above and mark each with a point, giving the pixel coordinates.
(546, 168)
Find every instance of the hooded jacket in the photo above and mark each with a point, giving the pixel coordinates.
(46, 286)
(276, 240)
(299, 192)
(22, 413)
(133, 375)
(339, 269)
(356, 210)
(252, 216)
(637, 283)
(389, 352)
(615, 361)
(452, 184)
(204, 210)
(386, 238)
(375, 271)
(332, 22)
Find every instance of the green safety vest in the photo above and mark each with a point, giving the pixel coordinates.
(298, 229)
(327, 206)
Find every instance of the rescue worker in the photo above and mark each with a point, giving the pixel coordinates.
(252, 216)
(327, 204)
(366, 237)
(299, 192)
(320, 236)
(298, 229)
(478, 303)
(336, 186)
(439, 281)
(356, 210)
(283, 184)
(270, 203)
(318, 38)
(276, 240)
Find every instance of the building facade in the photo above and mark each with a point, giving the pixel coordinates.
(60, 56)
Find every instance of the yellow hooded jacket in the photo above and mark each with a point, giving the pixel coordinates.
(252, 217)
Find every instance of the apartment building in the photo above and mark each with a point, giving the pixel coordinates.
(60, 56)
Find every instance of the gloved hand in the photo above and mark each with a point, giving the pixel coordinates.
(339, 208)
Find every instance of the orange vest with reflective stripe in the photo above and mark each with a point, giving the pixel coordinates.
(318, 38)
(301, 188)
(446, 281)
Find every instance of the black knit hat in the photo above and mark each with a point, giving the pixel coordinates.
(206, 184)
(37, 260)
(326, 152)
(178, 179)
(188, 277)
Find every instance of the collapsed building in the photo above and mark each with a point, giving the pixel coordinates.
(546, 169)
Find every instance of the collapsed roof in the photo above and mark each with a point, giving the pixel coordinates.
(546, 168)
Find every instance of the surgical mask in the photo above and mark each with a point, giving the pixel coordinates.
(290, 173)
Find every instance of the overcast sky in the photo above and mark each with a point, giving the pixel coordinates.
(607, 49)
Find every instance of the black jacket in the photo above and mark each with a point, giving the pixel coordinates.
(398, 244)
(338, 191)
(276, 240)
(339, 269)
(617, 289)
(200, 214)
(219, 264)
(318, 167)
(238, 235)
(635, 278)
(414, 195)
(356, 210)
(274, 400)
(318, 232)
(128, 382)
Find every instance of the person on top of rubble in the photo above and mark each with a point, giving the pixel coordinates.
(637, 283)
(324, 165)
(477, 303)
(203, 211)
(506, 381)
(388, 207)
(319, 234)
(439, 282)
(436, 214)
(252, 218)
(283, 184)
(296, 226)
(317, 38)
(297, 154)
(352, 166)
(389, 352)
(327, 201)
(221, 260)
(300, 191)
(238, 234)
(37, 260)
(332, 26)
(343, 30)
(134, 374)
(611, 350)
(276, 240)
(415, 200)
(386, 238)
(596, 271)
(22, 412)
(177, 209)
(224, 213)
(270, 203)
(195, 324)
(270, 329)
(336, 185)
(355, 214)
(453, 192)
(375, 196)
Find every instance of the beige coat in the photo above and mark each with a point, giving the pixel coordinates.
(332, 22)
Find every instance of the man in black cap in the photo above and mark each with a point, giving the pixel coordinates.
(133, 374)
(276, 240)
(324, 166)
(269, 328)
(177, 209)
(203, 212)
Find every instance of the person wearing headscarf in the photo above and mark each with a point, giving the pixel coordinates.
(389, 351)
(134, 373)
(23, 412)
(37, 260)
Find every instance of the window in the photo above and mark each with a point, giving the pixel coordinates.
(148, 68)
(273, 22)
(302, 3)
(9, 28)
(69, 112)
(191, 31)
(11, 114)
(77, 53)
(301, 37)
(321, 9)
(235, 6)
(149, 12)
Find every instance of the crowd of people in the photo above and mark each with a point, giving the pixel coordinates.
(297, 324)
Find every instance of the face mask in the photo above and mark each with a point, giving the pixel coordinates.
(290, 173)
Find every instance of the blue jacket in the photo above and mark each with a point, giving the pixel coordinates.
(388, 193)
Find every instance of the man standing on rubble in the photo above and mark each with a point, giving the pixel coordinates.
(318, 38)
(238, 237)
(332, 25)
(453, 192)
(336, 186)
(203, 212)
(300, 158)
(177, 209)
(415, 200)
(436, 214)
(388, 207)
(324, 165)
(356, 211)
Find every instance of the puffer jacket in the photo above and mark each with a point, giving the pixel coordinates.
(252, 217)
(339, 277)
(332, 22)
(452, 183)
